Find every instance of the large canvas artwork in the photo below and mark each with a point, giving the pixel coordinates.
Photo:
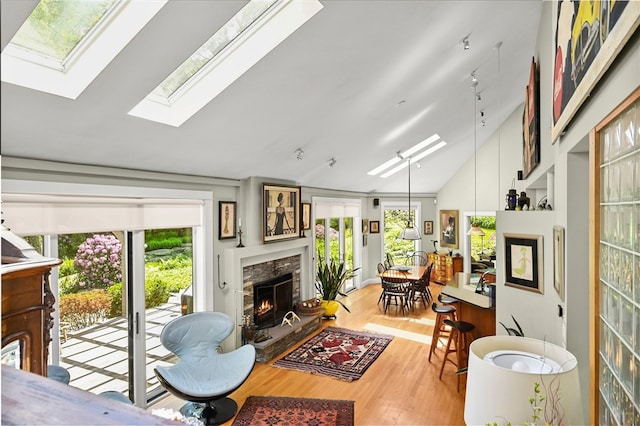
(531, 123)
(588, 37)
(281, 212)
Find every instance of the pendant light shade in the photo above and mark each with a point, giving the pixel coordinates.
(410, 233)
(476, 231)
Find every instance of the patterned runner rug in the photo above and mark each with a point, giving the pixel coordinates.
(284, 411)
(336, 352)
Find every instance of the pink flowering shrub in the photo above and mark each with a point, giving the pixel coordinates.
(98, 261)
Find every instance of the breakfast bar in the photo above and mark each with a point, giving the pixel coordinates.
(478, 308)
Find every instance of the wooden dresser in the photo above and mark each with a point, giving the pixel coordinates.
(27, 304)
(444, 266)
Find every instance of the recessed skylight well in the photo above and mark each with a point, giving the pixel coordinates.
(64, 45)
(409, 153)
(249, 36)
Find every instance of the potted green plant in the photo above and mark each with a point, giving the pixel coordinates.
(330, 279)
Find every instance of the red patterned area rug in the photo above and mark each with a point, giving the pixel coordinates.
(336, 352)
(284, 411)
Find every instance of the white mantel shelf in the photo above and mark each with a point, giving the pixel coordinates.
(230, 299)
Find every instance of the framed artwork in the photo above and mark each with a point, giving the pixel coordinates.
(558, 260)
(428, 227)
(226, 220)
(374, 226)
(306, 216)
(586, 41)
(365, 226)
(523, 261)
(280, 212)
(531, 123)
(449, 229)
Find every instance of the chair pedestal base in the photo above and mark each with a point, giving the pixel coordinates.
(214, 413)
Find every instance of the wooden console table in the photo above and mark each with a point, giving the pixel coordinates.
(444, 266)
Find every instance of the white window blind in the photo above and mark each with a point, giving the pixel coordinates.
(47, 214)
(335, 207)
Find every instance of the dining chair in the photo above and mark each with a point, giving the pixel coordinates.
(381, 269)
(418, 258)
(395, 289)
(419, 290)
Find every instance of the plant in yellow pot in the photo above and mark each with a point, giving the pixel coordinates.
(330, 279)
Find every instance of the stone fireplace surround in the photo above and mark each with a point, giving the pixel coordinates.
(265, 271)
(242, 266)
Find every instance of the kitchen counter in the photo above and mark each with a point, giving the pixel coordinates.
(476, 308)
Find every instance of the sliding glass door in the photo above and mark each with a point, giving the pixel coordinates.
(337, 233)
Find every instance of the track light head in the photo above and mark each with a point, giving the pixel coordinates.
(473, 77)
(332, 162)
(299, 153)
(465, 43)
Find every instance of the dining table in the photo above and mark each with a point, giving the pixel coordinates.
(410, 273)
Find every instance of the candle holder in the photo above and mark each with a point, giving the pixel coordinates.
(240, 236)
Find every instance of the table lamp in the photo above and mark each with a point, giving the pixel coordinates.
(501, 376)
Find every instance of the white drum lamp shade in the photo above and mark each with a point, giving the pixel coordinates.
(501, 374)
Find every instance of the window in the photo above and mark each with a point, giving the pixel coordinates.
(64, 44)
(248, 37)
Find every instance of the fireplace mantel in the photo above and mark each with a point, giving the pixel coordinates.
(230, 298)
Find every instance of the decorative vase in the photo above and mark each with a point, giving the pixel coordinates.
(330, 308)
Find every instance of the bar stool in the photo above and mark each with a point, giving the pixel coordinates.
(459, 335)
(440, 330)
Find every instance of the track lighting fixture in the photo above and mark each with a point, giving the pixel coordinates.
(483, 122)
(478, 97)
(473, 77)
(465, 43)
(299, 153)
(481, 113)
(332, 162)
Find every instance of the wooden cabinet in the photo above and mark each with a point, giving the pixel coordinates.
(27, 304)
(444, 266)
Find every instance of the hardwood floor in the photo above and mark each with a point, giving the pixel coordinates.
(400, 388)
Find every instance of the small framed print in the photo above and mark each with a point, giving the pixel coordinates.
(365, 226)
(428, 227)
(523, 261)
(374, 226)
(306, 216)
(226, 220)
(558, 260)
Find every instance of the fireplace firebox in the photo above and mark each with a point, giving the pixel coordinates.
(272, 300)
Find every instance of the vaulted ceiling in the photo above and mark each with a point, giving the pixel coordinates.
(360, 81)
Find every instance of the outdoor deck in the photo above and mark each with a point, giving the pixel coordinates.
(97, 358)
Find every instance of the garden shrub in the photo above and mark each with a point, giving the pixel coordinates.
(166, 243)
(83, 309)
(66, 268)
(115, 291)
(156, 292)
(98, 261)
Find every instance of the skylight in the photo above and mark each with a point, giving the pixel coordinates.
(245, 39)
(409, 153)
(225, 35)
(64, 44)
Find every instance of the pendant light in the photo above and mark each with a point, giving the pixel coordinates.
(475, 229)
(410, 232)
